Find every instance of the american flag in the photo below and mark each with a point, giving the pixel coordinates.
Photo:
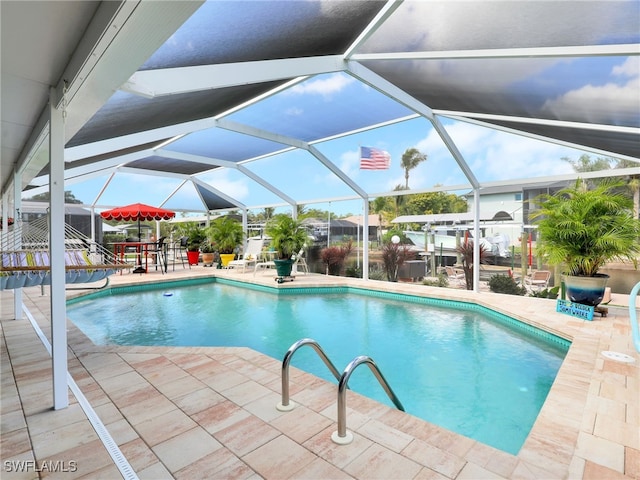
(374, 159)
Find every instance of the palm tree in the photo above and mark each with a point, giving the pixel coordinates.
(411, 158)
(399, 200)
(378, 205)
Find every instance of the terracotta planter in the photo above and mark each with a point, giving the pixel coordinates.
(208, 258)
(586, 290)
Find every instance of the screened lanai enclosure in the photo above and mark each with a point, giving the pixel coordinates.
(203, 107)
(220, 104)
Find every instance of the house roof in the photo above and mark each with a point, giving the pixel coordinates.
(194, 95)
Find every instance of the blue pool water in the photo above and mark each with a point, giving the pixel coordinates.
(469, 371)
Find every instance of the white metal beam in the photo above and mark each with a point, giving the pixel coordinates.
(223, 163)
(538, 121)
(214, 190)
(337, 172)
(377, 21)
(120, 38)
(294, 142)
(533, 52)
(173, 81)
(453, 148)
(555, 141)
(57, 256)
(260, 133)
(389, 89)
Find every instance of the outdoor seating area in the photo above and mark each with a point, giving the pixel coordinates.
(250, 256)
(85, 261)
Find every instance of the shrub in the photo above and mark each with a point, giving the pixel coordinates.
(505, 284)
(334, 257)
(353, 271)
(393, 256)
(377, 273)
(440, 281)
(466, 253)
(547, 293)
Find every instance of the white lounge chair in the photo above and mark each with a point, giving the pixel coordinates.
(455, 275)
(538, 280)
(250, 256)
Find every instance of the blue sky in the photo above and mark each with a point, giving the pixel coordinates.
(491, 154)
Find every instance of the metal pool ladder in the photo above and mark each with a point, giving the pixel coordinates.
(341, 436)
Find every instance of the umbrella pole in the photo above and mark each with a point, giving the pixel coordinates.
(139, 268)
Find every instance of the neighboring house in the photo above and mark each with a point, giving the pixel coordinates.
(505, 209)
(74, 215)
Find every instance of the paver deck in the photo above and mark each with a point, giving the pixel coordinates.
(195, 412)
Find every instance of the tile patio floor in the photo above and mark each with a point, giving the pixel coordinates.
(192, 413)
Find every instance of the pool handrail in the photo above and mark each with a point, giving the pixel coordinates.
(341, 436)
(284, 405)
(633, 316)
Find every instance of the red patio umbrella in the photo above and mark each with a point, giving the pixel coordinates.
(137, 211)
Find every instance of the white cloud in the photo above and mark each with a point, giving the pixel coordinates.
(221, 180)
(581, 103)
(294, 111)
(492, 155)
(630, 68)
(325, 86)
(620, 98)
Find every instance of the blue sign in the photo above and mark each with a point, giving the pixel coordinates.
(585, 312)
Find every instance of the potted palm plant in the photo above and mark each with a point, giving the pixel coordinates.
(226, 234)
(208, 253)
(195, 236)
(288, 236)
(582, 229)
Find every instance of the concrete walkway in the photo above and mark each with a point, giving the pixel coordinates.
(188, 412)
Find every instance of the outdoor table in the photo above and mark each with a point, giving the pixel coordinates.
(141, 248)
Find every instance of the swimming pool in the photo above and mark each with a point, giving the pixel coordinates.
(477, 373)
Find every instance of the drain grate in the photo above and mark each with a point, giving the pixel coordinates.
(118, 458)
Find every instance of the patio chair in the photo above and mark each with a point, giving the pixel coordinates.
(250, 256)
(157, 252)
(455, 275)
(538, 280)
(180, 250)
(300, 262)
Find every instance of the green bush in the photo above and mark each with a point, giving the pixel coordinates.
(440, 281)
(505, 284)
(353, 271)
(547, 293)
(377, 273)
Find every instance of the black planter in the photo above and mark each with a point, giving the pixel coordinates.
(586, 290)
(283, 267)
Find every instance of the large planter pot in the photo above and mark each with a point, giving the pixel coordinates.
(586, 290)
(226, 258)
(283, 267)
(193, 257)
(208, 258)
